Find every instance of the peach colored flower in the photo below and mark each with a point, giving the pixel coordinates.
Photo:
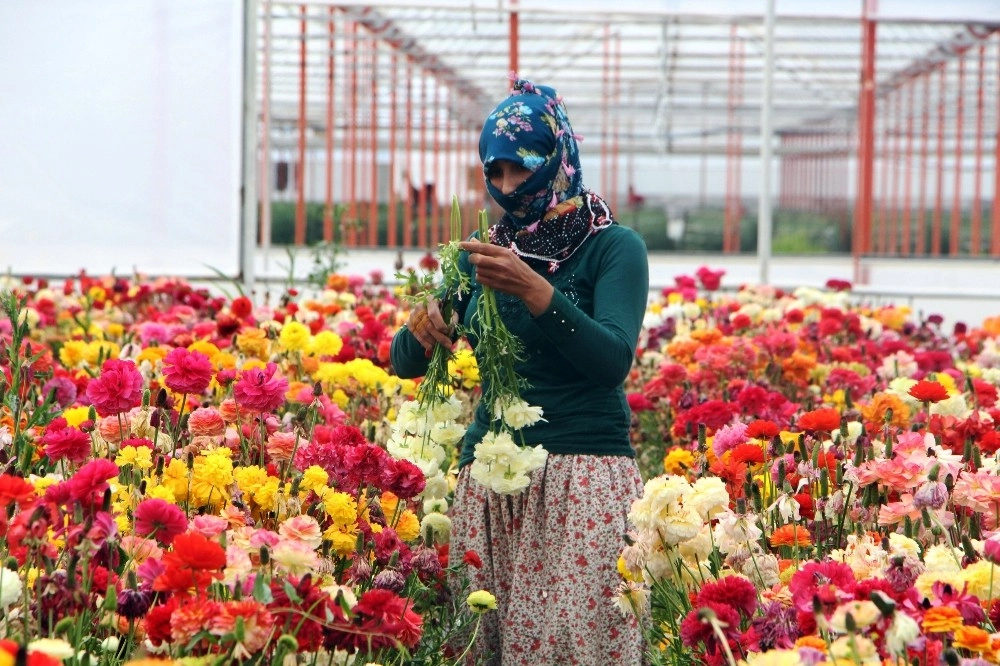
(229, 410)
(304, 529)
(895, 473)
(208, 526)
(281, 445)
(111, 429)
(140, 549)
(206, 422)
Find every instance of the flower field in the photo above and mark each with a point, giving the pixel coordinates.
(195, 478)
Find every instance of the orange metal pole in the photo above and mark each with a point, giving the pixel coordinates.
(883, 181)
(392, 235)
(449, 189)
(422, 197)
(977, 194)
(330, 79)
(605, 111)
(373, 131)
(513, 39)
(300, 176)
(908, 170)
(956, 202)
(895, 158)
(866, 136)
(995, 217)
(350, 158)
(939, 190)
(408, 158)
(925, 112)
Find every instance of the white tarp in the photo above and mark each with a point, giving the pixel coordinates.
(120, 136)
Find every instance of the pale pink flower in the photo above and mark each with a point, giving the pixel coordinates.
(111, 429)
(896, 474)
(304, 529)
(208, 526)
(140, 549)
(264, 538)
(281, 445)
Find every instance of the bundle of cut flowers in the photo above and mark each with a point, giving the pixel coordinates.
(188, 476)
(828, 487)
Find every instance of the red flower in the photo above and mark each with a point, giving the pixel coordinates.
(710, 280)
(403, 478)
(187, 371)
(472, 559)
(92, 479)
(838, 285)
(826, 420)
(762, 429)
(638, 402)
(751, 454)
(14, 489)
(194, 551)
(386, 618)
(158, 518)
(242, 307)
(695, 629)
(118, 388)
(733, 591)
(926, 391)
(61, 442)
(258, 390)
(157, 622)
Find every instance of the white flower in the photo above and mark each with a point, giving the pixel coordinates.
(708, 496)
(448, 434)
(10, 587)
(732, 531)
(437, 486)
(438, 526)
(503, 466)
(953, 406)
(940, 558)
(680, 525)
(632, 599)
(659, 496)
(517, 413)
(699, 547)
(901, 634)
(903, 545)
(447, 410)
(435, 505)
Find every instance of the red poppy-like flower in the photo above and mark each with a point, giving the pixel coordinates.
(838, 285)
(61, 442)
(472, 559)
(194, 551)
(242, 307)
(638, 402)
(258, 390)
(117, 389)
(710, 280)
(826, 420)
(157, 622)
(92, 479)
(160, 519)
(386, 617)
(927, 391)
(761, 429)
(751, 454)
(734, 591)
(186, 371)
(14, 489)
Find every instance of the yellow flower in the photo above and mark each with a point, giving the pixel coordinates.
(972, 638)
(326, 343)
(250, 479)
(140, 457)
(211, 478)
(207, 348)
(114, 330)
(408, 526)
(367, 375)
(390, 505)
(983, 580)
(481, 601)
(73, 353)
(253, 342)
(341, 508)
(266, 497)
(175, 479)
(331, 374)
(224, 361)
(678, 461)
(342, 543)
(463, 367)
(340, 398)
(152, 354)
(75, 416)
(294, 336)
(101, 350)
(160, 492)
(314, 478)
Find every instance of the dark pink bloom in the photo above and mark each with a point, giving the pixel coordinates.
(404, 479)
(159, 519)
(92, 478)
(710, 280)
(638, 402)
(118, 388)
(259, 391)
(62, 442)
(187, 371)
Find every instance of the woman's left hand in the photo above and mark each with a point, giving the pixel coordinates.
(499, 268)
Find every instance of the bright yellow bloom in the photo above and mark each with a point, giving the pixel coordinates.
(161, 492)
(101, 350)
(407, 526)
(678, 461)
(250, 478)
(140, 457)
(73, 353)
(331, 374)
(326, 343)
(368, 376)
(211, 478)
(314, 478)
(223, 361)
(266, 496)
(152, 354)
(340, 398)
(390, 505)
(175, 479)
(294, 336)
(207, 348)
(76, 415)
(114, 330)
(342, 543)
(341, 508)
(254, 342)
(481, 601)
(463, 367)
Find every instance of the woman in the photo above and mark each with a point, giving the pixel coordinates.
(572, 285)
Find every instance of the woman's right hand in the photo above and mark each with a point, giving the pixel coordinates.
(428, 326)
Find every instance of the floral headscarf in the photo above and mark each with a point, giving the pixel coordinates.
(530, 128)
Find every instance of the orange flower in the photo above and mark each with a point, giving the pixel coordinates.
(926, 391)
(708, 336)
(874, 412)
(814, 642)
(972, 638)
(941, 620)
(791, 535)
(748, 453)
(826, 420)
(798, 367)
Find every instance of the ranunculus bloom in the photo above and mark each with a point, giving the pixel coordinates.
(826, 420)
(206, 422)
(710, 280)
(61, 442)
(159, 519)
(259, 391)
(117, 389)
(92, 479)
(638, 402)
(926, 391)
(186, 371)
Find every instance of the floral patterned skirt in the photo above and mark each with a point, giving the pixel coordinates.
(549, 556)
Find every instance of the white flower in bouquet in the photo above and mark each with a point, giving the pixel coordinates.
(410, 419)
(10, 587)
(708, 496)
(699, 547)
(447, 410)
(502, 465)
(679, 525)
(660, 496)
(435, 505)
(422, 452)
(516, 413)
(448, 434)
(437, 486)
(732, 531)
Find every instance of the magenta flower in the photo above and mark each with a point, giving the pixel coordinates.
(62, 442)
(118, 388)
(160, 519)
(187, 371)
(259, 391)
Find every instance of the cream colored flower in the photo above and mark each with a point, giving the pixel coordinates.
(481, 601)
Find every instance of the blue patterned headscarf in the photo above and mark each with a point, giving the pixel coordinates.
(530, 128)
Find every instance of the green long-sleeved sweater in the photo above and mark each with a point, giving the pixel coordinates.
(578, 353)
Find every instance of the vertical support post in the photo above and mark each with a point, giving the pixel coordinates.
(956, 202)
(605, 112)
(408, 160)
(925, 126)
(977, 184)
(373, 216)
(939, 183)
(422, 195)
(300, 180)
(616, 91)
(866, 137)
(435, 202)
(513, 37)
(351, 154)
(908, 171)
(392, 233)
(703, 178)
(265, 137)
(882, 196)
(995, 213)
(248, 198)
(894, 207)
(733, 211)
(764, 196)
(330, 95)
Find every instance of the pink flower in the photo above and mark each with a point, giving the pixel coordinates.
(206, 422)
(118, 388)
(729, 437)
(280, 445)
(92, 479)
(186, 371)
(209, 526)
(159, 519)
(709, 279)
(404, 479)
(112, 430)
(258, 390)
(61, 442)
(304, 529)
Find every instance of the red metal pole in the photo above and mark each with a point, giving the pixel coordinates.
(894, 222)
(422, 196)
(881, 235)
(995, 217)
(513, 36)
(351, 154)
(408, 158)
(605, 111)
(977, 184)
(330, 78)
(925, 112)
(866, 138)
(616, 89)
(908, 170)
(939, 190)
(392, 235)
(956, 203)
(373, 132)
(435, 202)
(300, 180)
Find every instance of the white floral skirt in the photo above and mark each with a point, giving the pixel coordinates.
(549, 556)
